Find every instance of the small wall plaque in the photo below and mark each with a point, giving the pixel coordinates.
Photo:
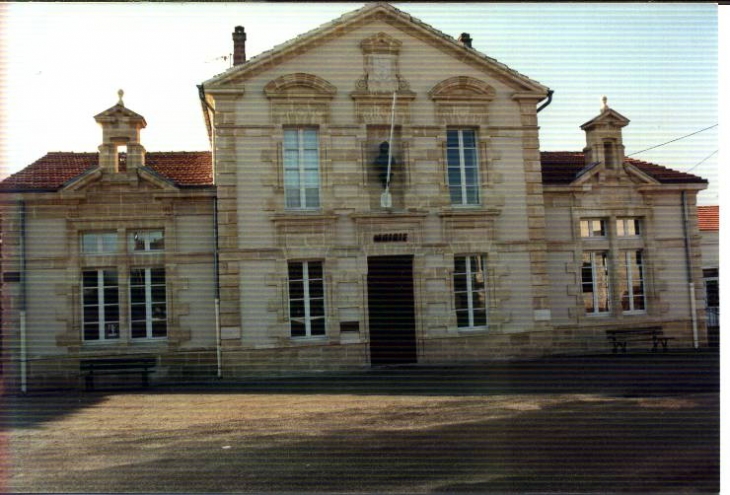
(398, 237)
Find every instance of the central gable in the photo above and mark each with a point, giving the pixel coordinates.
(380, 51)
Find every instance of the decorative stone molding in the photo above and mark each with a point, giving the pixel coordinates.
(373, 93)
(302, 230)
(371, 225)
(300, 98)
(465, 225)
(462, 100)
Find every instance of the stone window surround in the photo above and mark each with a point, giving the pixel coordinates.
(121, 261)
(485, 290)
(616, 246)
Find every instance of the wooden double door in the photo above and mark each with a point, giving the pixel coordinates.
(391, 310)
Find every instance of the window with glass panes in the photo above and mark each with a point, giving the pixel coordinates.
(306, 298)
(631, 280)
(595, 282)
(462, 166)
(99, 242)
(148, 303)
(301, 168)
(100, 305)
(593, 227)
(628, 227)
(146, 240)
(470, 291)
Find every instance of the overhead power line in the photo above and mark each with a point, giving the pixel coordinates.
(673, 140)
(703, 161)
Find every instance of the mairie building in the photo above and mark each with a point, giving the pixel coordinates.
(374, 194)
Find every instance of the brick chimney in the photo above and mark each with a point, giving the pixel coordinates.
(465, 39)
(239, 45)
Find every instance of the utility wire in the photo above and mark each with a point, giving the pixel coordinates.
(703, 161)
(673, 140)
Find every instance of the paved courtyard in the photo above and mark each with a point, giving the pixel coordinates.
(600, 424)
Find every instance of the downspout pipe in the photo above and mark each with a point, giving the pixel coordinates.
(217, 300)
(207, 109)
(23, 303)
(690, 280)
(549, 101)
(216, 270)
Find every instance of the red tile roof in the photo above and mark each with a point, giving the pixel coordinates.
(194, 168)
(709, 218)
(562, 167)
(50, 173)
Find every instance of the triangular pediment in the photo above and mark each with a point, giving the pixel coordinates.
(147, 179)
(593, 173)
(235, 77)
(608, 117)
(119, 111)
(638, 175)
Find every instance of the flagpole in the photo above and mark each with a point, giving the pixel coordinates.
(386, 199)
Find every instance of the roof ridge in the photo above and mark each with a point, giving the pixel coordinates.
(362, 11)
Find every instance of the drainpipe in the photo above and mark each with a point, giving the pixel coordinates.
(23, 306)
(690, 281)
(549, 101)
(217, 299)
(218, 349)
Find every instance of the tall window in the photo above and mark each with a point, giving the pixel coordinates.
(595, 282)
(463, 166)
(631, 279)
(98, 242)
(146, 241)
(306, 298)
(301, 168)
(470, 296)
(148, 303)
(100, 305)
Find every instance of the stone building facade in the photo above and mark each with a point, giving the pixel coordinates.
(108, 254)
(709, 225)
(358, 208)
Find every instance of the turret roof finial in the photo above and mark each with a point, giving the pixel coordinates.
(604, 107)
(121, 94)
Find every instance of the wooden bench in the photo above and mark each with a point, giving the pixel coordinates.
(620, 338)
(143, 365)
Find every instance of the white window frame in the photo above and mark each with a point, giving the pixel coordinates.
(98, 242)
(462, 168)
(595, 267)
(147, 236)
(301, 171)
(623, 225)
(149, 304)
(628, 273)
(469, 272)
(587, 229)
(102, 323)
(307, 300)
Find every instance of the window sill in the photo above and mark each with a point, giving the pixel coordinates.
(303, 216)
(455, 211)
(481, 329)
(316, 339)
(123, 342)
(641, 312)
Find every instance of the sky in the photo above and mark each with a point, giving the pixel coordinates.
(63, 63)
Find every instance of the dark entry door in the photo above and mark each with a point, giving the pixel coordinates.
(391, 310)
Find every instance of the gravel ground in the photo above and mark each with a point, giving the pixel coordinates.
(600, 425)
